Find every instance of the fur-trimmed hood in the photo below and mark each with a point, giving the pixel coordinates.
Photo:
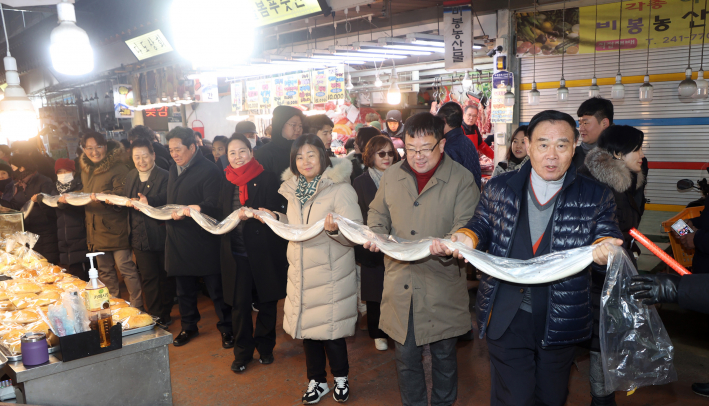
(610, 171)
(114, 152)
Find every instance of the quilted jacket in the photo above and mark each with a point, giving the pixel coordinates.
(584, 213)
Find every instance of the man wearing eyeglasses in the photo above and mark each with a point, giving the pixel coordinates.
(426, 301)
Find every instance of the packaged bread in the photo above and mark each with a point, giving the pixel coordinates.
(7, 306)
(123, 313)
(51, 270)
(12, 340)
(25, 287)
(139, 320)
(24, 316)
(3, 295)
(51, 288)
(52, 339)
(49, 295)
(115, 300)
(48, 278)
(38, 327)
(119, 305)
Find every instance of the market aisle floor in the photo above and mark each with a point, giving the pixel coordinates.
(201, 375)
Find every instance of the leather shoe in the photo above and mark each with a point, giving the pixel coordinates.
(184, 337)
(701, 389)
(227, 340)
(266, 360)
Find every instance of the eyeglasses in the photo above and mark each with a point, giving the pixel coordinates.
(422, 151)
(92, 149)
(296, 126)
(383, 154)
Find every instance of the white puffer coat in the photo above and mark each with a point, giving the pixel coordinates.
(321, 302)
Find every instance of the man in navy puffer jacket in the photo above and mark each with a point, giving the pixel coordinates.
(544, 207)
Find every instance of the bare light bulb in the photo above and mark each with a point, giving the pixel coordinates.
(377, 81)
(466, 82)
(646, 90)
(687, 87)
(594, 90)
(533, 96)
(702, 86)
(509, 97)
(349, 85)
(618, 89)
(562, 93)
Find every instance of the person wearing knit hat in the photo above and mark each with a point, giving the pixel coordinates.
(42, 219)
(394, 125)
(71, 221)
(376, 124)
(287, 126)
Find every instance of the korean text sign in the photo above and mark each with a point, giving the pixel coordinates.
(274, 11)
(148, 45)
(458, 37)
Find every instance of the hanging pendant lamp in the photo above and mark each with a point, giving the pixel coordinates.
(688, 87)
(618, 89)
(646, 90)
(509, 97)
(466, 82)
(594, 90)
(702, 84)
(562, 93)
(533, 96)
(394, 93)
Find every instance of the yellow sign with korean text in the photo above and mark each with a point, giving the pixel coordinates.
(669, 23)
(148, 45)
(274, 11)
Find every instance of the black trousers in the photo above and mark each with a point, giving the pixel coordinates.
(373, 314)
(80, 270)
(263, 337)
(524, 373)
(158, 289)
(188, 290)
(315, 354)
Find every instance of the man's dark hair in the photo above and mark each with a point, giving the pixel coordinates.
(141, 131)
(553, 116)
(5, 150)
(317, 122)
(315, 141)
(183, 133)
(26, 161)
(98, 137)
(423, 124)
(198, 134)
(142, 143)
(363, 136)
(239, 137)
(220, 138)
(452, 113)
(350, 143)
(125, 143)
(598, 107)
(622, 139)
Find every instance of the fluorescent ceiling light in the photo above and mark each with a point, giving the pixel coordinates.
(414, 48)
(390, 51)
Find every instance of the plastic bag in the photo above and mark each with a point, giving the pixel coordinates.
(68, 316)
(635, 347)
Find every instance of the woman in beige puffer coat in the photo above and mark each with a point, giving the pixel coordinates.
(321, 302)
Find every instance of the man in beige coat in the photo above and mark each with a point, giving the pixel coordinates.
(426, 301)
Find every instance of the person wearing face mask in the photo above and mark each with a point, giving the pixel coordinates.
(71, 227)
(251, 254)
(321, 304)
(287, 126)
(617, 163)
(147, 235)
(42, 220)
(516, 152)
(378, 156)
(6, 185)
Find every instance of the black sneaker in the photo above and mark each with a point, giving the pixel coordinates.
(341, 391)
(316, 390)
(240, 366)
(266, 360)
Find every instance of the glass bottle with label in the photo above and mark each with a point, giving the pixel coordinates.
(98, 304)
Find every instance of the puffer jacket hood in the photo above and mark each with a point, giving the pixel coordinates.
(585, 211)
(611, 171)
(321, 302)
(114, 152)
(281, 115)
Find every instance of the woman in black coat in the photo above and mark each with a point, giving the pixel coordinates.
(42, 220)
(617, 162)
(251, 254)
(379, 154)
(147, 235)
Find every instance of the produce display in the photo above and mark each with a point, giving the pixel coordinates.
(548, 33)
(34, 286)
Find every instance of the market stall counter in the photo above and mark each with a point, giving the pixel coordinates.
(136, 374)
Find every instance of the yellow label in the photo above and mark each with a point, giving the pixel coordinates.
(97, 299)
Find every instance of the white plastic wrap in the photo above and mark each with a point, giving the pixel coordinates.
(635, 347)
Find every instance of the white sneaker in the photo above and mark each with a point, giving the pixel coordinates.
(381, 344)
(315, 392)
(341, 391)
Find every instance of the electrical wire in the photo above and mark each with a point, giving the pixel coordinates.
(647, 59)
(619, 32)
(704, 35)
(691, 26)
(595, 37)
(534, 47)
(563, 37)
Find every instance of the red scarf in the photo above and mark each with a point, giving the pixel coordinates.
(240, 176)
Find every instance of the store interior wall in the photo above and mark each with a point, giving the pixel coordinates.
(213, 116)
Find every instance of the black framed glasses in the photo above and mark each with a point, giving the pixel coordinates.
(383, 154)
(422, 151)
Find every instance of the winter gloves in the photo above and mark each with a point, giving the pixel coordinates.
(661, 288)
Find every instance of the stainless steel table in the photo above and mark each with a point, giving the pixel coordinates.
(137, 374)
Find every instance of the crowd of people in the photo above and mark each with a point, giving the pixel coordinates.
(558, 188)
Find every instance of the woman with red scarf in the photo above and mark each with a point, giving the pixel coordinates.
(251, 254)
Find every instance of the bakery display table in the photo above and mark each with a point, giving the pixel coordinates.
(137, 374)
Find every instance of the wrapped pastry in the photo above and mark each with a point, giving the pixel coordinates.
(3, 295)
(48, 278)
(119, 305)
(25, 287)
(12, 340)
(114, 301)
(52, 288)
(139, 320)
(38, 327)
(123, 313)
(49, 295)
(19, 316)
(7, 306)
